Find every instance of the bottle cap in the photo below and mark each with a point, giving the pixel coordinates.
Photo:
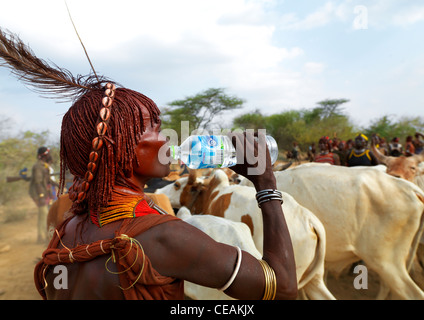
(272, 148)
(174, 152)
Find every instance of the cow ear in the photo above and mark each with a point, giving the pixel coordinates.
(196, 185)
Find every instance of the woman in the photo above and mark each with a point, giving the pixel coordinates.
(360, 155)
(117, 244)
(418, 143)
(409, 147)
(325, 155)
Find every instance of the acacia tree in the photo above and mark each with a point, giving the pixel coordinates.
(200, 109)
(330, 107)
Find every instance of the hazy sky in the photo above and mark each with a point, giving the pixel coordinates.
(276, 55)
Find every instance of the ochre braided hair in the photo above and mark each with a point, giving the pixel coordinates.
(117, 154)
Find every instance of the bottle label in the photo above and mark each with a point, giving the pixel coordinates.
(207, 152)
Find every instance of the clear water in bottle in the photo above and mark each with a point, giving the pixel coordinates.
(213, 151)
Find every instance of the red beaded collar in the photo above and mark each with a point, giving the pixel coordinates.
(124, 208)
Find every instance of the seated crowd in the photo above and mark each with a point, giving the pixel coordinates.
(357, 153)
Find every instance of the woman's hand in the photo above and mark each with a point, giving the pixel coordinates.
(253, 159)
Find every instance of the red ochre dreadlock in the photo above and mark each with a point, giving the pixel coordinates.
(116, 157)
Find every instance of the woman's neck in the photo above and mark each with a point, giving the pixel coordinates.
(129, 186)
(129, 191)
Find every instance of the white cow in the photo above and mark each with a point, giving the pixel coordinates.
(367, 214)
(221, 230)
(238, 203)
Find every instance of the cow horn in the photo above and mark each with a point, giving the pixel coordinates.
(192, 175)
(286, 166)
(381, 157)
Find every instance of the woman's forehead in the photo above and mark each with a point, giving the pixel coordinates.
(150, 125)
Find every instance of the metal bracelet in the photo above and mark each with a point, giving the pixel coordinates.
(268, 195)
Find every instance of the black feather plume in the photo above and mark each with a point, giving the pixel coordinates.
(47, 79)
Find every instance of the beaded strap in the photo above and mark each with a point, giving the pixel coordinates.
(78, 191)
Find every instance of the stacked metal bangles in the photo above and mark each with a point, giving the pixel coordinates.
(268, 195)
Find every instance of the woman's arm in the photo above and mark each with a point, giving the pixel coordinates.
(180, 250)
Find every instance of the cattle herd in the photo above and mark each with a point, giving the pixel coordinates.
(337, 216)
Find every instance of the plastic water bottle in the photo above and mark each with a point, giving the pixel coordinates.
(202, 151)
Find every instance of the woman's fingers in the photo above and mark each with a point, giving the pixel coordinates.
(251, 152)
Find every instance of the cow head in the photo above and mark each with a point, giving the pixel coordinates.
(185, 189)
(400, 167)
(192, 191)
(173, 191)
(197, 190)
(198, 194)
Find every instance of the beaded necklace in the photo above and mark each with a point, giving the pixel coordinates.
(124, 206)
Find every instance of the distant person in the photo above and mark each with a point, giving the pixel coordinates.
(296, 152)
(312, 152)
(418, 143)
(395, 148)
(360, 155)
(349, 144)
(341, 152)
(379, 143)
(40, 190)
(325, 155)
(409, 147)
(335, 144)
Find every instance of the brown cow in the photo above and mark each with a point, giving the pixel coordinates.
(400, 167)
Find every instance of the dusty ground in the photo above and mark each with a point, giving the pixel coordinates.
(19, 253)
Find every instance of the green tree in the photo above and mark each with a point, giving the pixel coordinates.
(254, 120)
(331, 107)
(389, 128)
(382, 126)
(303, 126)
(284, 127)
(200, 109)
